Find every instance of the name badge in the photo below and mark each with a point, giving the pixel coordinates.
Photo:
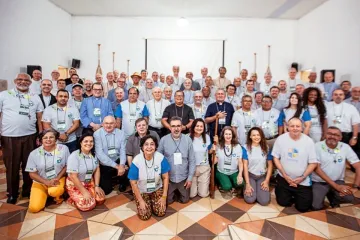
(50, 172)
(97, 112)
(177, 159)
(227, 165)
(88, 176)
(150, 185)
(112, 152)
(61, 125)
(222, 121)
(24, 106)
(337, 120)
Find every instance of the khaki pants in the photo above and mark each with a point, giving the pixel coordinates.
(201, 181)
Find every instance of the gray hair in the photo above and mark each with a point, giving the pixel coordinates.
(156, 88)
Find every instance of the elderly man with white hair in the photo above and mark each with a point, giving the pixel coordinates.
(156, 107)
(204, 73)
(198, 107)
(110, 83)
(119, 97)
(146, 91)
(20, 113)
(168, 94)
(55, 75)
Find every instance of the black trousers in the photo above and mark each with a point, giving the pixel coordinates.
(161, 132)
(346, 137)
(286, 195)
(16, 151)
(108, 177)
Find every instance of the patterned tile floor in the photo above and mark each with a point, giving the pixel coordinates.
(222, 218)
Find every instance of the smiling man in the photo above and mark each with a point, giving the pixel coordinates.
(295, 158)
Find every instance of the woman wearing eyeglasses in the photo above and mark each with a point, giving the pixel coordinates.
(149, 179)
(47, 167)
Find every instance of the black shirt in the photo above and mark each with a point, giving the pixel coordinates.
(211, 111)
(185, 113)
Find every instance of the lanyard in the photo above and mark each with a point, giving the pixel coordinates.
(133, 114)
(158, 113)
(231, 152)
(151, 167)
(200, 109)
(264, 116)
(53, 158)
(232, 98)
(107, 142)
(21, 104)
(333, 152)
(182, 112)
(57, 114)
(147, 94)
(92, 162)
(248, 114)
(220, 105)
(341, 112)
(176, 145)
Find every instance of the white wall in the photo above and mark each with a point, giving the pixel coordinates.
(33, 32)
(329, 38)
(126, 37)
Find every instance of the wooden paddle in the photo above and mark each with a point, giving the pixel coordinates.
(212, 177)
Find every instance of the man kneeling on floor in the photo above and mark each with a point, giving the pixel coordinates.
(328, 179)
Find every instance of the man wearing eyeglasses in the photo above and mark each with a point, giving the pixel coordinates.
(177, 148)
(20, 113)
(94, 109)
(267, 118)
(328, 179)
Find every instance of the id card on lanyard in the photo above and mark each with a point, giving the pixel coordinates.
(50, 170)
(150, 185)
(88, 176)
(177, 155)
(89, 172)
(227, 164)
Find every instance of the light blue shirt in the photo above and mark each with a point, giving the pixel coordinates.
(87, 110)
(329, 89)
(105, 141)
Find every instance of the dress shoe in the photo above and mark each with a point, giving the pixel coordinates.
(11, 200)
(25, 194)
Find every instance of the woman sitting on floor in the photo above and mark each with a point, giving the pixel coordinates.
(47, 166)
(258, 167)
(82, 183)
(149, 179)
(229, 158)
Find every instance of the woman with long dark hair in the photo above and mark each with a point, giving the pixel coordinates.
(202, 147)
(82, 183)
(294, 109)
(229, 158)
(314, 103)
(258, 167)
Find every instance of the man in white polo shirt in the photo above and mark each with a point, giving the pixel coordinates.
(345, 117)
(156, 108)
(64, 118)
(295, 158)
(20, 113)
(328, 179)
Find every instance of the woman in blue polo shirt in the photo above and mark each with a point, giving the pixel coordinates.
(294, 109)
(258, 167)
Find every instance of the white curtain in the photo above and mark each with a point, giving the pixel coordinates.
(190, 54)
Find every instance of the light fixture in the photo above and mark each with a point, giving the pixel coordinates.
(182, 22)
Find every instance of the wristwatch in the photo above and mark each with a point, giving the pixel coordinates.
(97, 185)
(356, 186)
(355, 138)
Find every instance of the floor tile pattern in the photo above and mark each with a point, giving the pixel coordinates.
(222, 218)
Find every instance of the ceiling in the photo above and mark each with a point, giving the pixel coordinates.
(280, 9)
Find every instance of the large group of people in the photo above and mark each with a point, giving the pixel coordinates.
(160, 136)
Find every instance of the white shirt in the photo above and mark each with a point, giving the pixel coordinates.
(201, 150)
(61, 119)
(107, 87)
(41, 161)
(295, 156)
(199, 112)
(257, 160)
(35, 87)
(18, 112)
(243, 121)
(268, 121)
(156, 110)
(47, 100)
(343, 116)
(317, 85)
(291, 84)
(265, 88)
(315, 120)
(228, 164)
(178, 81)
(333, 161)
(145, 94)
(234, 100)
